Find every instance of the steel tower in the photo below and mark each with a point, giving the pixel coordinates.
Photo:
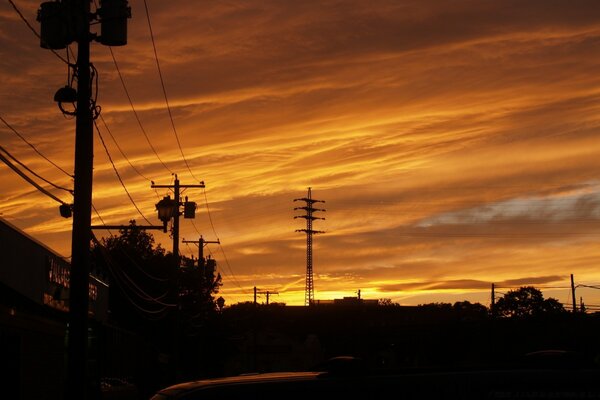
(309, 291)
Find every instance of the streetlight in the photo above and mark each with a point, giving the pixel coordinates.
(167, 208)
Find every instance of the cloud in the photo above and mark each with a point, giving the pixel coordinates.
(455, 143)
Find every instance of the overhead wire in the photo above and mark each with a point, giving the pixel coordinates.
(33, 172)
(31, 181)
(33, 147)
(118, 175)
(121, 150)
(32, 29)
(137, 117)
(137, 290)
(164, 90)
(220, 245)
(140, 309)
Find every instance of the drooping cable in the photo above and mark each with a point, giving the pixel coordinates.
(220, 245)
(162, 82)
(119, 176)
(156, 314)
(138, 291)
(33, 172)
(101, 219)
(32, 29)
(30, 181)
(121, 150)
(137, 118)
(33, 147)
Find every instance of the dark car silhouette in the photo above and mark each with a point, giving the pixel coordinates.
(542, 375)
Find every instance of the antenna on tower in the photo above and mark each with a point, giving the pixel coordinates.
(309, 291)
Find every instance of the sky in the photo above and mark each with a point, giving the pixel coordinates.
(455, 143)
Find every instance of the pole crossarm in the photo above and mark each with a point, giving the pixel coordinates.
(128, 227)
(201, 243)
(201, 185)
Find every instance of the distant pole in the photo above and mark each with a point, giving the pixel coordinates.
(254, 295)
(201, 243)
(176, 190)
(573, 294)
(309, 289)
(176, 222)
(493, 302)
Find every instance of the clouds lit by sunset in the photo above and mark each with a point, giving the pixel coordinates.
(455, 143)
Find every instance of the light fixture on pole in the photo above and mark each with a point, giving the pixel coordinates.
(167, 209)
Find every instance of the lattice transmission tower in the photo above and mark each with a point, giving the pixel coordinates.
(309, 217)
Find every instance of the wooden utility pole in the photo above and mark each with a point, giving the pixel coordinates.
(573, 294)
(493, 301)
(77, 380)
(265, 292)
(176, 190)
(201, 243)
(61, 23)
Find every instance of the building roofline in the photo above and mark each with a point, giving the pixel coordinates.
(31, 238)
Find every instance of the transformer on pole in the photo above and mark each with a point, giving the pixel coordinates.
(309, 217)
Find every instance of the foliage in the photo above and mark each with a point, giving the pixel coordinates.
(387, 303)
(470, 311)
(527, 301)
(146, 285)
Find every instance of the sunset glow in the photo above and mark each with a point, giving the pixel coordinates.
(455, 143)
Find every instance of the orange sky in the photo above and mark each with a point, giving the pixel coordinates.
(456, 143)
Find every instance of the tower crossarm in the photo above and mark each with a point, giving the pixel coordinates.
(308, 217)
(309, 208)
(309, 200)
(311, 231)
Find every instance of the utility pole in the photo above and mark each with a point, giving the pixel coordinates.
(61, 23)
(201, 243)
(77, 379)
(268, 293)
(168, 209)
(573, 294)
(493, 302)
(309, 288)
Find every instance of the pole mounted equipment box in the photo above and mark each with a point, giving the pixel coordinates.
(113, 22)
(54, 26)
(189, 209)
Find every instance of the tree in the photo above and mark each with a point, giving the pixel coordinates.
(466, 310)
(527, 301)
(147, 286)
(386, 302)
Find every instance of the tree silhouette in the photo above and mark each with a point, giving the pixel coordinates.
(526, 301)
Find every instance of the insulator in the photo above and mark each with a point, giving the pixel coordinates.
(53, 26)
(113, 22)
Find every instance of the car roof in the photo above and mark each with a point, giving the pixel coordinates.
(240, 379)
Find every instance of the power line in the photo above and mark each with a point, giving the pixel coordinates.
(33, 172)
(135, 112)
(118, 175)
(143, 311)
(32, 29)
(220, 245)
(33, 147)
(30, 181)
(121, 150)
(165, 92)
